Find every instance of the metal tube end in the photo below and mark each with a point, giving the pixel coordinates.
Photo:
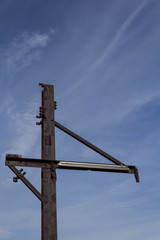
(136, 174)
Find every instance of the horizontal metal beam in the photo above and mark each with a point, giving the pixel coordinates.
(100, 167)
(71, 165)
(88, 144)
(29, 162)
(26, 182)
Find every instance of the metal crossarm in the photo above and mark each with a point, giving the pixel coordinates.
(12, 160)
(28, 162)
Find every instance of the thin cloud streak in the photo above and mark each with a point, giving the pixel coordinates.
(109, 49)
(120, 33)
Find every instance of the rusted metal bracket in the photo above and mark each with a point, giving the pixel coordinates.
(26, 182)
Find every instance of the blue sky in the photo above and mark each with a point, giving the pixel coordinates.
(103, 57)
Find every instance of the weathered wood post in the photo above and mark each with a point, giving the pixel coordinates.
(49, 212)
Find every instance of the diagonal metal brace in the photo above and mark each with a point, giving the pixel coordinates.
(27, 183)
(88, 144)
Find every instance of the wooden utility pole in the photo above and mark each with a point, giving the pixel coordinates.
(49, 214)
(49, 164)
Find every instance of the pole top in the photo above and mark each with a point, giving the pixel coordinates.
(45, 85)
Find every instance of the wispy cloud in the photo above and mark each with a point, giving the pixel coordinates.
(135, 103)
(25, 131)
(121, 208)
(25, 49)
(4, 232)
(27, 218)
(19, 221)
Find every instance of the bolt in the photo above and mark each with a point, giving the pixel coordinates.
(15, 179)
(39, 123)
(55, 105)
(23, 174)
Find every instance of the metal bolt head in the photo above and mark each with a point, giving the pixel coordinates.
(38, 123)
(24, 173)
(15, 179)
